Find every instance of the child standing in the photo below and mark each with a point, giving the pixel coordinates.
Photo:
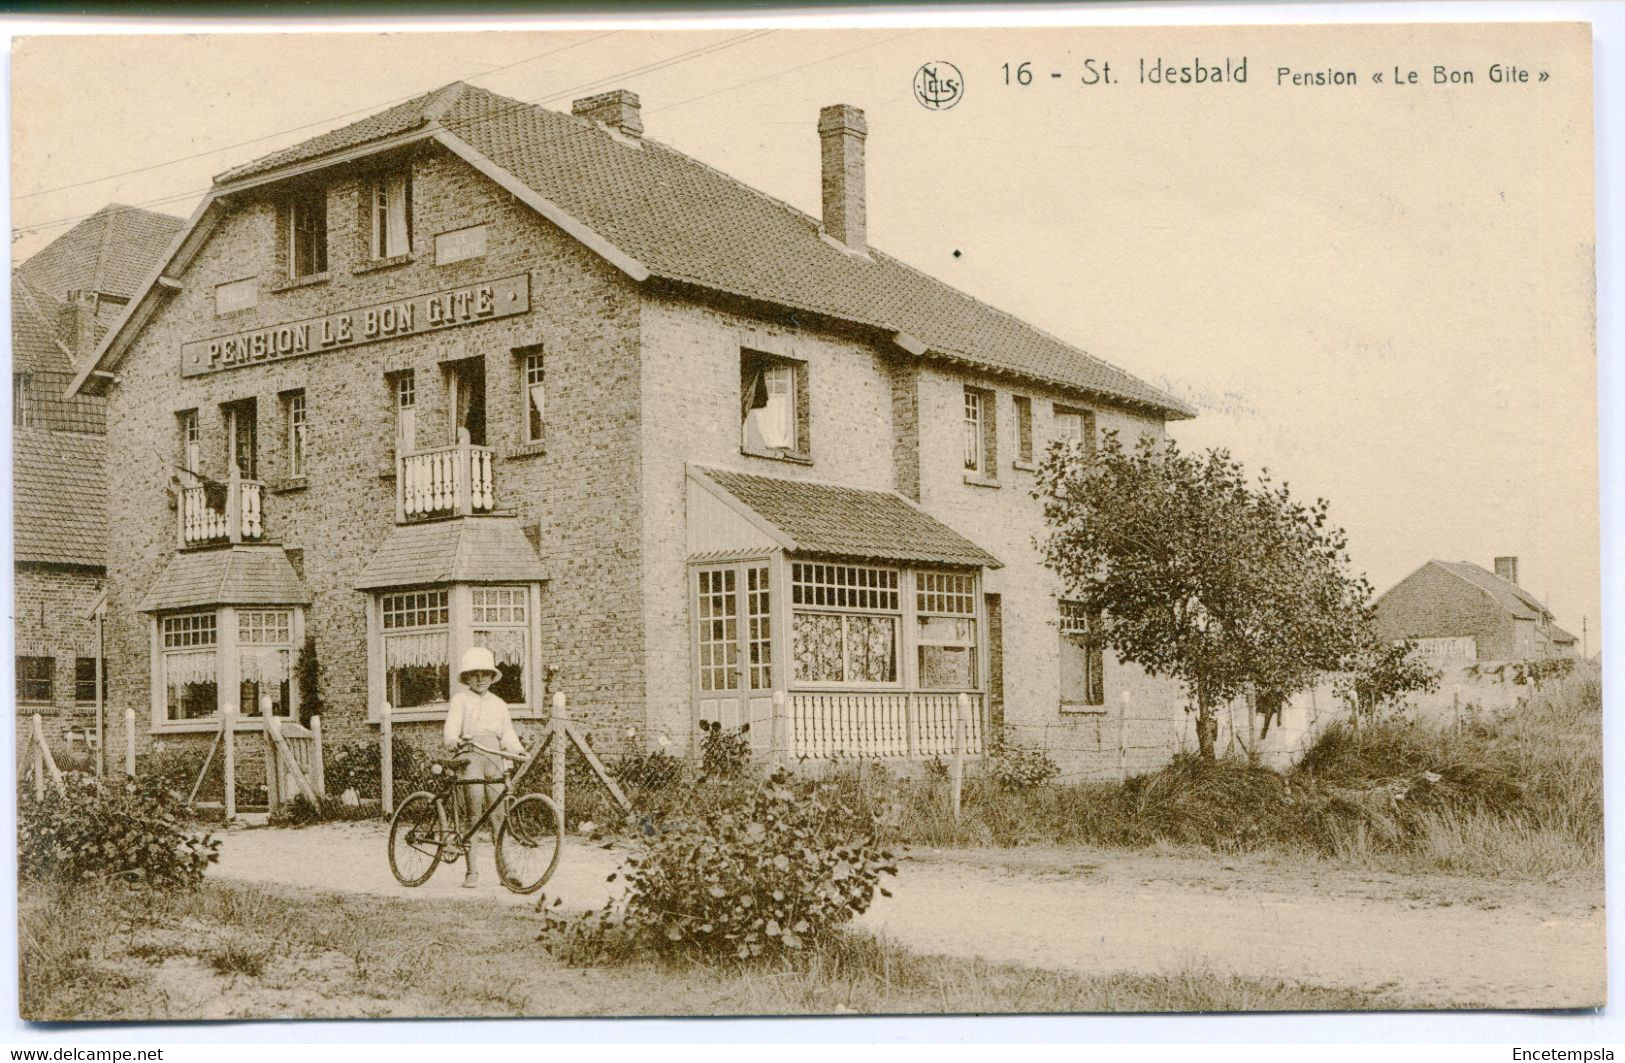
(478, 716)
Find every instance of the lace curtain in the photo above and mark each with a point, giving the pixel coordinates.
(831, 648)
(422, 649)
(184, 668)
(265, 665)
(507, 645)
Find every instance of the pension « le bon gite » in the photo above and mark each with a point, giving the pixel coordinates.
(471, 372)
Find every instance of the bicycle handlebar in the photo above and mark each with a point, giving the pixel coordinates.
(514, 758)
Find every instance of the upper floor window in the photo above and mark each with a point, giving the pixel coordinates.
(307, 233)
(404, 387)
(24, 412)
(389, 200)
(1076, 425)
(1024, 428)
(773, 408)
(533, 384)
(981, 433)
(242, 438)
(191, 441)
(296, 419)
(465, 394)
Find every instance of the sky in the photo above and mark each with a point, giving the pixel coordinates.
(1384, 295)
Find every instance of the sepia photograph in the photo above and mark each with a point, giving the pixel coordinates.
(763, 520)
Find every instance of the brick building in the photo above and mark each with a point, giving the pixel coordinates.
(62, 300)
(1459, 610)
(470, 372)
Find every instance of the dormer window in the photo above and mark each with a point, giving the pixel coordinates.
(390, 215)
(307, 234)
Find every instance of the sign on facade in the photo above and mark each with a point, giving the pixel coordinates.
(459, 244)
(1452, 649)
(484, 301)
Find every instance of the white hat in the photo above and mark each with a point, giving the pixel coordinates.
(478, 659)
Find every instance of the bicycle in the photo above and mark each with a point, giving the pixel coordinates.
(423, 833)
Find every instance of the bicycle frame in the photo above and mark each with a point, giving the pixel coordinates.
(510, 776)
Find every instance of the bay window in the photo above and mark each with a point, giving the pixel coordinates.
(264, 661)
(417, 648)
(945, 630)
(844, 624)
(500, 617)
(189, 663)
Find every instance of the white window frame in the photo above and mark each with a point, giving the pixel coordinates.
(944, 595)
(1075, 627)
(404, 389)
(782, 381)
(975, 455)
(179, 634)
(266, 628)
(506, 608)
(434, 601)
(1075, 425)
(235, 420)
(191, 441)
(300, 210)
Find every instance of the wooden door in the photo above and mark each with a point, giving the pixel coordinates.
(734, 648)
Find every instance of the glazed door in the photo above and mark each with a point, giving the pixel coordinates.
(734, 647)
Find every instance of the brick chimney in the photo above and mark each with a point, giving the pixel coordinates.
(78, 322)
(618, 109)
(841, 131)
(1507, 568)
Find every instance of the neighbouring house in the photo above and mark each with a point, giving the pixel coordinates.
(62, 300)
(1456, 610)
(473, 372)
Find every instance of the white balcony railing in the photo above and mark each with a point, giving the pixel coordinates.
(880, 725)
(456, 480)
(212, 512)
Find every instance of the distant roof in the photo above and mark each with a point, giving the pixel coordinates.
(1560, 635)
(111, 252)
(1513, 598)
(687, 223)
(59, 513)
(467, 550)
(820, 518)
(240, 574)
(36, 338)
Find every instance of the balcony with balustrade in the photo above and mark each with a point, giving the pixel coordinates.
(209, 513)
(450, 481)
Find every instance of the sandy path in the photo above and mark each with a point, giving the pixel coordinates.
(1437, 941)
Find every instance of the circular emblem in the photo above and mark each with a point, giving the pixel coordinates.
(939, 85)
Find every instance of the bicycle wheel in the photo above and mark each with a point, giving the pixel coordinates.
(529, 843)
(417, 838)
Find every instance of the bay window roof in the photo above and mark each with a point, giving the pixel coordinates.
(241, 574)
(807, 517)
(466, 550)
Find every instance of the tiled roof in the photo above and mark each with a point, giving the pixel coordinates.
(1560, 635)
(243, 574)
(59, 513)
(819, 518)
(36, 342)
(691, 224)
(1513, 598)
(111, 252)
(467, 550)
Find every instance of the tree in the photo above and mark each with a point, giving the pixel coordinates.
(1199, 574)
(1378, 673)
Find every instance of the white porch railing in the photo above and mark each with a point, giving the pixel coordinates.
(879, 725)
(236, 517)
(446, 481)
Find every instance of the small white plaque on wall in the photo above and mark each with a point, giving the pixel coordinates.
(459, 244)
(236, 295)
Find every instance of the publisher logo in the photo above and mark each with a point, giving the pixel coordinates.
(938, 86)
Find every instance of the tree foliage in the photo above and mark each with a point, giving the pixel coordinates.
(1199, 572)
(1377, 674)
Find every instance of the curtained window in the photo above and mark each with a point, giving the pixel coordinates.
(945, 630)
(391, 215)
(773, 406)
(188, 642)
(844, 623)
(264, 660)
(501, 623)
(417, 648)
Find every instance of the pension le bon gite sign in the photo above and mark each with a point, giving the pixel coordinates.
(471, 303)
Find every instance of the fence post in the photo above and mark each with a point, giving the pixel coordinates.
(228, 735)
(386, 761)
(318, 769)
(961, 719)
(38, 761)
(558, 725)
(781, 729)
(129, 742)
(1125, 698)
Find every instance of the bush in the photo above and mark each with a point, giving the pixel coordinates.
(776, 873)
(1015, 767)
(724, 754)
(131, 830)
(358, 766)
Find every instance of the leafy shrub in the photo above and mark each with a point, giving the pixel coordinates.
(95, 831)
(358, 766)
(776, 873)
(1015, 767)
(647, 773)
(724, 754)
